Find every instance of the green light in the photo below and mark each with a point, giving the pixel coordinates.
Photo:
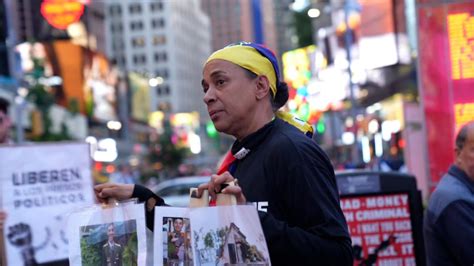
(303, 112)
(211, 130)
(321, 127)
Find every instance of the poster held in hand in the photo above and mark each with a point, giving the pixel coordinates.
(226, 234)
(108, 236)
(43, 181)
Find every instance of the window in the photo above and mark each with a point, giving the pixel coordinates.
(115, 10)
(156, 6)
(139, 59)
(161, 57)
(138, 42)
(116, 27)
(157, 40)
(157, 23)
(122, 61)
(135, 8)
(136, 25)
(167, 90)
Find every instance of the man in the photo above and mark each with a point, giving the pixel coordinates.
(449, 221)
(5, 122)
(279, 169)
(111, 250)
(176, 242)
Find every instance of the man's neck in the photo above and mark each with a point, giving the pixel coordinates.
(460, 167)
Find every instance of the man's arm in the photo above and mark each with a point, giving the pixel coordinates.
(151, 200)
(456, 224)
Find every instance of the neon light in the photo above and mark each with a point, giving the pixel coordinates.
(61, 13)
(463, 113)
(461, 42)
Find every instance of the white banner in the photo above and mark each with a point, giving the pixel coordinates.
(39, 186)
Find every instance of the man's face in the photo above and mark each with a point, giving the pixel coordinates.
(5, 125)
(111, 232)
(229, 96)
(178, 225)
(465, 156)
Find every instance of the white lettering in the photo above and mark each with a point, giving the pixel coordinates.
(261, 205)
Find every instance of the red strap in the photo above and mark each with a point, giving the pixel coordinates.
(228, 160)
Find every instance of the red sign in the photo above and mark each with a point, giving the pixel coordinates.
(447, 77)
(380, 229)
(61, 13)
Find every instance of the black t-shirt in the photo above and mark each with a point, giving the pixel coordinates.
(292, 182)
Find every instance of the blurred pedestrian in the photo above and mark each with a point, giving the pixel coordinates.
(5, 125)
(123, 175)
(449, 221)
(284, 173)
(5, 122)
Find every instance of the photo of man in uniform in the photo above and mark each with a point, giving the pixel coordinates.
(112, 251)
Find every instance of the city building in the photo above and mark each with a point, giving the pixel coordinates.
(242, 20)
(152, 38)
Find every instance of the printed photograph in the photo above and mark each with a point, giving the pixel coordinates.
(177, 249)
(224, 236)
(110, 244)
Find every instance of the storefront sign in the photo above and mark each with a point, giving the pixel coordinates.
(61, 13)
(380, 229)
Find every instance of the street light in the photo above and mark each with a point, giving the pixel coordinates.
(153, 82)
(314, 13)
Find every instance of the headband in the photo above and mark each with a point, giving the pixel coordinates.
(253, 57)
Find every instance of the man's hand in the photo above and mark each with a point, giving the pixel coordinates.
(215, 184)
(104, 192)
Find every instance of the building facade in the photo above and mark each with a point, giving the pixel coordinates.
(152, 38)
(242, 20)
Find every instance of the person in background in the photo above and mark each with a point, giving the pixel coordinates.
(5, 125)
(5, 122)
(449, 219)
(283, 172)
(124, 175)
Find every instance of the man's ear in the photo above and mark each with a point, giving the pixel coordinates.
(262, 88)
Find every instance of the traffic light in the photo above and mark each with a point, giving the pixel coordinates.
(320, 126)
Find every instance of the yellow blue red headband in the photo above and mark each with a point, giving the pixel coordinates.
(248, 57)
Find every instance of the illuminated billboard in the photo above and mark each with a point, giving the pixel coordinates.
(299, 72)
(461, 42)
(80, 74)
(61, 13)
(446, 41)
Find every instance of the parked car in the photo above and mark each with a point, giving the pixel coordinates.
(175, 191)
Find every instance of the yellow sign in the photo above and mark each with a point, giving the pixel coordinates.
(463, 113)
(461, 42)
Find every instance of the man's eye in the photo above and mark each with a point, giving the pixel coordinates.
(220, 82)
